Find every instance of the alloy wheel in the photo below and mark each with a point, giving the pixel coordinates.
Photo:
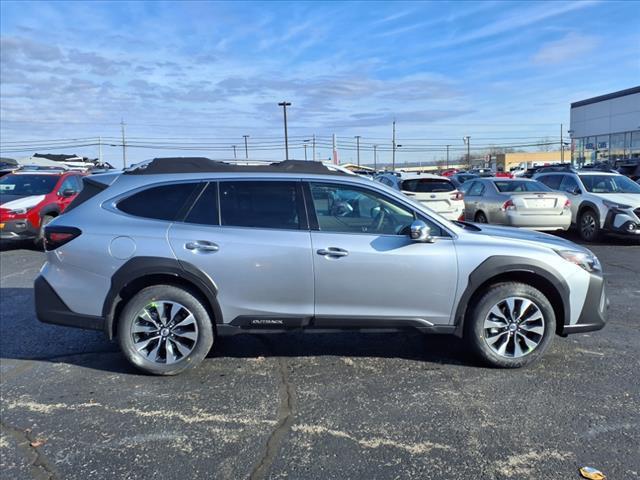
(588, 225)
(164, 332)
(514, 327)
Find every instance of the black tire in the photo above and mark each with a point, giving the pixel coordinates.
(476, 334)
(39, 241)
(481, 218)
(167, 293)
(589, 226)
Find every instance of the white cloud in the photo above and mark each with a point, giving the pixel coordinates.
(571, 46)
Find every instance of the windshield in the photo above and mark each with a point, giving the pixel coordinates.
(609, 184)
(521, 186)
(427, 185)
(27, 184)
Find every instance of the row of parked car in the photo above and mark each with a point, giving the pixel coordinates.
(591, 200)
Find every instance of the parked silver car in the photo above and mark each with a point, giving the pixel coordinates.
(171, 254)
(516, 202)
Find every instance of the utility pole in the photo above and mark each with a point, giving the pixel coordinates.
(313, 147)
(375, 158)
(284, 106)
(335, 149)
(448, 156)
(124, 147)
(100, 149)
(393, 148)
(357, 137)
(234, 152)
(467, 141)
(561, 146)
(304, 144)
(246, 146)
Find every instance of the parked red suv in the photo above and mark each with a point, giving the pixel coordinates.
(31, 199)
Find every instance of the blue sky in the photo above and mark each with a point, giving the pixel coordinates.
(211, 72)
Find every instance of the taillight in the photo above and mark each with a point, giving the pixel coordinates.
(508, 205)
(461, 217)
(56, 236)
(457, 196)
(567, 204)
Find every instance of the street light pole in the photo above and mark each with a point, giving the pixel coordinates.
(304, 144)
(467, 140)
(448, 156)
(234, 152)
(313, 147)
(246, 146)
(284, 106)
(357, 137)
(561, 146)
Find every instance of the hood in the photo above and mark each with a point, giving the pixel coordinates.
(12, 202)
(632, 199)
(520, 234)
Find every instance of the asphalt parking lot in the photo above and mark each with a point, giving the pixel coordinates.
(319, 406)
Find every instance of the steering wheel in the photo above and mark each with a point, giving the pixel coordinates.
(379, 220)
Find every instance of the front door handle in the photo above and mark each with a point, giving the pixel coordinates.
(201, 246)
(333, 252)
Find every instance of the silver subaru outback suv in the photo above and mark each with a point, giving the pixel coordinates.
(173, 253)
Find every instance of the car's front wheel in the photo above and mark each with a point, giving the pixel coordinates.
(164, 330)
(511, 325)
(589, 226)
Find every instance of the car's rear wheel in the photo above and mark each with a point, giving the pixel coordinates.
(511, 325)
(481, 218)
(164, 330)
(589, 226)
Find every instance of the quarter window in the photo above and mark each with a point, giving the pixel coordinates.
(346, 209)
(163, 202)
(261, 204)
(551, 181)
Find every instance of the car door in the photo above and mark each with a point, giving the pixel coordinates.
(251, 238)
(366, 267)
(472, 199)
(570, 186)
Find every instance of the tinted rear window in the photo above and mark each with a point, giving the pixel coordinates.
(506, 187)
(162, 203)
(428, 185)
(261, 204)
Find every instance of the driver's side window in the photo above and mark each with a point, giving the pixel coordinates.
(347, 209)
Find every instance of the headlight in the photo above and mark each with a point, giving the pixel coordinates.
(586, 260)
(19, 211)
(615, 205)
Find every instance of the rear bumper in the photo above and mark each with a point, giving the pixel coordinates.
(51, 309)
(546, 222)
(17, 229)
(594, 313)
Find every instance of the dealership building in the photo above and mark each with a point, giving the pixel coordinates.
(606, 128)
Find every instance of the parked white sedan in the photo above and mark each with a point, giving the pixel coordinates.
(433, 191)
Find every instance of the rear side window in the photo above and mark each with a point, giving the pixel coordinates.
(163, 202)
(551, 181)
(205, 208)
(476, 189)
(521, 186)
(261, 204)
(428, 185)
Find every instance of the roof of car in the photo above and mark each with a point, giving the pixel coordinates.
(171, 165)
(413, 176)
(581, 172)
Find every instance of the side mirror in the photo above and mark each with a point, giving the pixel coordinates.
(68, 192)
(420, 232)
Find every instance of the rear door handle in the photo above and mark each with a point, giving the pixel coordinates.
(333, 252)
(201, 246)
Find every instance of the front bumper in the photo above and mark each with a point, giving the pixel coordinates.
(17, 229)
(594, 313)
(51, 309)
(622, 222)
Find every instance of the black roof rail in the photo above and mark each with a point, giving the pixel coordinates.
(169, 165)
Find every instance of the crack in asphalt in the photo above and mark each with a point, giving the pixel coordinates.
(38, 463)
(286, 411)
